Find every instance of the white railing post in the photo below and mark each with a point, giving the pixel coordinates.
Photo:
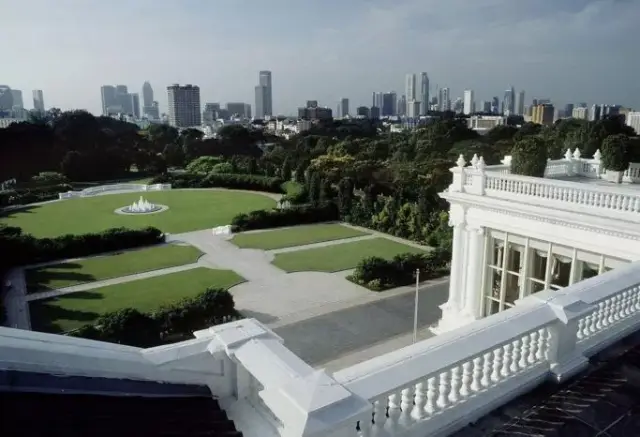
(457, 185)
(565, 359)
(478, 178)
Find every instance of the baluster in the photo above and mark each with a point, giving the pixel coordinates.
(524, 352)
(454, 395)
(616, 304)
(421, 400)
(599, 313)
(433, 393)
(487, 368)
(590, 323)
(610, 311)
(581, 328)
(543, 344)
(379, 413)
(443, 400)
(515, 357)
(465, 387)
(365, 428)
(497, 365)
(476, 380)
(533, 347)
(406, 405)
(506, 360)
(393, 413)
(628, 303)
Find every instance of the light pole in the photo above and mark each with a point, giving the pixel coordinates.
(415, 310)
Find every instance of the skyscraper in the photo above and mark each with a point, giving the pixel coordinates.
(509, 102)
(444, 100)
(38, 100)
(402, 106)
(184, 105)
(148, 108)
(520, 106)
(108, 95)
(17, 99)
(135, 105)
(264, 102)
(468, 104)
(344, 107)
(389, 102)
(424, 93)
(410, 87)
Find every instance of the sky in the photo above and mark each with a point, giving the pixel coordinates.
(565, 50)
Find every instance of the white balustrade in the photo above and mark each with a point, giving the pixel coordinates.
(433, 387)
(92, 191)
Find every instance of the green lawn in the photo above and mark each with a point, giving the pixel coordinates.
(292, 188)
(296, 236)
(109, 266)
(189, 210)
(73, 310)
(340, 256)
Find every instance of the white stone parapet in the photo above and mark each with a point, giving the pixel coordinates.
(92, 191)
(433, 387)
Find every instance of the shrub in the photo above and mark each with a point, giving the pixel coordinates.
(131, 327)
(223, 167)
(296, 215)
(32, 195)
(48, 178)
(529, 157)
(26, 249)
(203, 164)
(221, 180)
(615, 152)
(379, 274)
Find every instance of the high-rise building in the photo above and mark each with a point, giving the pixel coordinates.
(312, 104)
(135, 104)
(633, 120)
(344, 107)
(413, 108)
(210, 113)
(444, 99)
(607, 110)
(568, 110)
(594, 114)
(388, 104)
(109, 100)
(362, 111)
(509, 102)
(520, 103)
(374, 112)
(18, 103)
(38, 100)
(468, 103)
(264, 102)
(239, 109)
(410, 87)
(184, 105)
(147, 101)
(402, 106)
(580, 113)
(543, 114)
(424, 93)
(485, 107)
(495, 105)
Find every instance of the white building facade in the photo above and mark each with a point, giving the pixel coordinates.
(469, 102)
(633, 120)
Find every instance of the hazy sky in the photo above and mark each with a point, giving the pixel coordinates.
(566, 50)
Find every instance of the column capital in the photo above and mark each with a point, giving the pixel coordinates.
(457, 215)
(476, 229)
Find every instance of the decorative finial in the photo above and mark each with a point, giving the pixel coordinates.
(568, 155)
(577, 154)
(474, 160)
(461, 162)
(481, 165)
(597, 155)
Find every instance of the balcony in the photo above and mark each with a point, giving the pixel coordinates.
(433, 387)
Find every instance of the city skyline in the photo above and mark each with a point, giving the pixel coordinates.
(328, 61)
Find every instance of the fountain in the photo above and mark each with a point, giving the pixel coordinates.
(142, 206)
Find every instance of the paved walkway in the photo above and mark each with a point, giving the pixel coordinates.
(16, 308)
(113, 281)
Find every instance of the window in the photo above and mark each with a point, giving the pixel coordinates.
(520, 266)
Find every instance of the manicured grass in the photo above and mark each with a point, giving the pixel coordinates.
(340, 256)
(73, 310)
(109, 266)
(189, 210)
(292, 188)
(296, 236)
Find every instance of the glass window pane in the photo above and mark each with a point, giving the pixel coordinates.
(538, 265)
(495, 276)
(588, 271)
(535, 287)
(560, 271)
(498, 253)
(514, 261)
(512, 291)
(491, 307)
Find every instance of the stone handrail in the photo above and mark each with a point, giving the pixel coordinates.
(92, 191)
(433, 387)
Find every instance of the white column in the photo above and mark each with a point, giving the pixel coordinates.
(475, 265)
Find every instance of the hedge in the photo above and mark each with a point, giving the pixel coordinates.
(221, 180)
(380, 274)
(131, 327)
(32, 195)
(27, 249)
(296, 215)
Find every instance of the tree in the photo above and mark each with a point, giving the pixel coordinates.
(128, 326)
(286, 170)
(345, 196)
(313, 188)
(615, 153)
(529, 157)
(174, 155)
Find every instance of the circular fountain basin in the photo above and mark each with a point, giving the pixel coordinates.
(127, 210)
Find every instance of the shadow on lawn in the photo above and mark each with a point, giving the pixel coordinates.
(39, 279)
(17, 211)
(45, 315)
